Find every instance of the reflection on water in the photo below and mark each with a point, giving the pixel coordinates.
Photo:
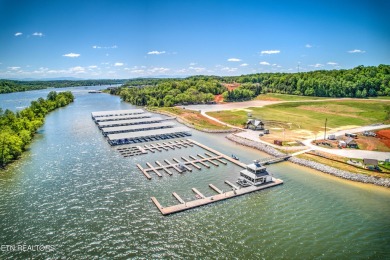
(75, 192)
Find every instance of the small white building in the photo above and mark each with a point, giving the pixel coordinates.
(254, 174)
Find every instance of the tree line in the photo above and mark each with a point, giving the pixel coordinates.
(359, 82)
(9, 86)
(18, 128)
(169, 92)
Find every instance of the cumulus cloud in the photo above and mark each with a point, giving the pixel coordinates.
(356, 51)
(156, 52)
(244, 65)
(332, 63)
(18, 34)
(197, 69)
(118, 64)
(264, 63)
(270, 52)
(38, 34)
(159, 70)
(308, 46)
(104, 47)
(92, 67)
(77, 70)
(234, 59)
(192, 64)
(71, 55)
(14, 68)
(228, 69)
(318, 65)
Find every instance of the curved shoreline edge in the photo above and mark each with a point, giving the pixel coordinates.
(311, 164)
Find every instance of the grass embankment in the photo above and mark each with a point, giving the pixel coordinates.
(340, 163)
(311, 116)
(195, 118)
(286, 97)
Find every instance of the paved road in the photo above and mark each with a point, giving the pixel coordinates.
(253, 135)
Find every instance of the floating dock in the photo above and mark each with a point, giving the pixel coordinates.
(207, 200)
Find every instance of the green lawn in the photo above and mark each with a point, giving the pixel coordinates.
(311, 115)
(286, 97)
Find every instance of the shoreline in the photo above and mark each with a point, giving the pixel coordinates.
(356, 177)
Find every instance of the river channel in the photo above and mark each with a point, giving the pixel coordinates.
(75, 192)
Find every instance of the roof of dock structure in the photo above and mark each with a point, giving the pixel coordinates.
(144, 134)
(131, 121)
(124, 117)
(117, 112)
(132, 128)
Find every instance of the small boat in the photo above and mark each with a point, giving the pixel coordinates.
(235, 157)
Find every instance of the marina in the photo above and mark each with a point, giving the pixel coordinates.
(125, 117)
(116, 113)
(136, 121)
(136, 128)
(202, 201)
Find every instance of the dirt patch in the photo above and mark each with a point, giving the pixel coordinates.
(384, 136)
(231, 86)
(218, 98)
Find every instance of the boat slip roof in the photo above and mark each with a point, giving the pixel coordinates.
(144, 134)
(131, 122)
(117, 112)
(137, 127)
(112, 118)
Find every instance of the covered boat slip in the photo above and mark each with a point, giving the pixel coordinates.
(146, 136)
(126, 117)
(130, 122)
(134, 128)
(116, 113)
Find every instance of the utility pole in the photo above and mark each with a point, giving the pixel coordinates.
(326, 119)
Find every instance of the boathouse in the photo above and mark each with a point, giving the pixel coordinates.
(139, 121)
(126, 117)
(147, 136)
(116, 113)
(135, 128)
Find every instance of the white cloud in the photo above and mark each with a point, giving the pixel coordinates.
(104, 47)
(197, 69)
(264, 63)
(14, 68)
(244, 65)
(308, 46)
(356, 51)
(118, 64)
(39, 34)
(270, 52)
(192, 64)
(228, 69)
(18, 34)
(71, 55)
(234, 59)
(318, 65)
(77, 70)
(332, 63)
(156, 52)
(137, 71)
(159, 70)
(92, 67)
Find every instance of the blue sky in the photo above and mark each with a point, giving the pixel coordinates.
(127, 39)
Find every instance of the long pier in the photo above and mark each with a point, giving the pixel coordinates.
(207, 200)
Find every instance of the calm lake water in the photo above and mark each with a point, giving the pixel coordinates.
(73, 191)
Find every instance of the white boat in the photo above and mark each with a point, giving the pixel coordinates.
(254, 174)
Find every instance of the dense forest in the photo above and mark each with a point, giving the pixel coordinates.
(168, 92)
(9, 86)
(360, 82)
(17, 129)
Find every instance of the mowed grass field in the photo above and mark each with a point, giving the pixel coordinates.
(311, 115)
(192, 117)
(286, 97)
